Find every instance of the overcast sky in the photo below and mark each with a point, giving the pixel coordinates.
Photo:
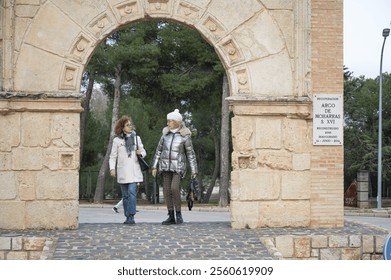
(364, 21)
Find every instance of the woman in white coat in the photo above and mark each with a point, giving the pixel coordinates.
(123, 158)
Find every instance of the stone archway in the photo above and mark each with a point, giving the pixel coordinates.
(275, 59)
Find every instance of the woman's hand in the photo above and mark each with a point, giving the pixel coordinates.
(154, 171)
(112, 173)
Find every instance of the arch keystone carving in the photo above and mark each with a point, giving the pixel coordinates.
(232, 51)
(243, 82)
(127, 11)
(188, 12)
(159, 7)
(99, 25)
(79, 48)
(213, 28)
(69, 77)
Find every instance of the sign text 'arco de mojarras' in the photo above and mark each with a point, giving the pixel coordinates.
(328, 119)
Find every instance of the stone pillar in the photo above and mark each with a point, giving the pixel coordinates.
(271, 177)
(39, 162)
(362, 189)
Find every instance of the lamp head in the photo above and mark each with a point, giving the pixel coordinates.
(386, 32)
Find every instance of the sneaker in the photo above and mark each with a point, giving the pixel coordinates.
(115, 209)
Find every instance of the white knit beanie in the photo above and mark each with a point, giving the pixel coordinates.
(176, 116)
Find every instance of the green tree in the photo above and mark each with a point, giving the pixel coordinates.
(361, 109)
(163, 66)
(122, 56)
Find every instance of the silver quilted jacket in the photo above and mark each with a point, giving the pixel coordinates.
(173, 150)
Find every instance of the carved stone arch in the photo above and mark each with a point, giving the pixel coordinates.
(251, 47)
(277, 54)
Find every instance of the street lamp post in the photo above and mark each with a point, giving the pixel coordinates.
(386, 32)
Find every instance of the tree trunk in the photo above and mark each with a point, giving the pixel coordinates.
(84, 115)
(216, 168)
(224, 145)
(100, 184)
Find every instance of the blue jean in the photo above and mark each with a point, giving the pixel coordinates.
(129, 198)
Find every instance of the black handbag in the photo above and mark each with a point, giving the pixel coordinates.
(193, 193)
(143, 164)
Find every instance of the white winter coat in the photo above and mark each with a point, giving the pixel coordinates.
(128, 168)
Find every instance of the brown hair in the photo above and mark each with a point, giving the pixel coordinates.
(120, 124)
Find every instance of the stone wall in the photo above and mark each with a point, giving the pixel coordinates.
(322, 247)
(39, 152)
(25, 248)
(288, 247)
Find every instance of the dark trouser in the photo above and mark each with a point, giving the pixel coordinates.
(171, 190)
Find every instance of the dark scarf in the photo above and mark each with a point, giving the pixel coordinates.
(129, 142)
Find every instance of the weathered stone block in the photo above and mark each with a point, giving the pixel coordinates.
(26, 182)
(285, 245)
(35, 129)
(12, 214)
(295, 185)
(330, 254)
(275, 159)
(63, 214)
(17, 243)
(61, 158)
(284, 213)
(26, 11)
(27, 159)
(270, 71)
(34, 243)
(351, 254)
(244, 138)
(338, 241)
(255, 185)
(296, 135)
(5, 243)
(66, 128)
(34, 255)
(57, 185)
(368, 244)
(319, 241)
(268, 134)
(301, 162)
(355, 241)
(315, 253)
(8, 189)
(55, 21)
(379, 243)
(5, 161)
(17, 255)
(302, 247)
(13, 135)
(240, 217)
(233, 14)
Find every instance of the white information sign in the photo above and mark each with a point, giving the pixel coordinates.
(328, 119)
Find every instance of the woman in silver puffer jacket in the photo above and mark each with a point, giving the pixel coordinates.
(173, 150)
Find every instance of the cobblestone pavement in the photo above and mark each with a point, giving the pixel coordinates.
(192, 240)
